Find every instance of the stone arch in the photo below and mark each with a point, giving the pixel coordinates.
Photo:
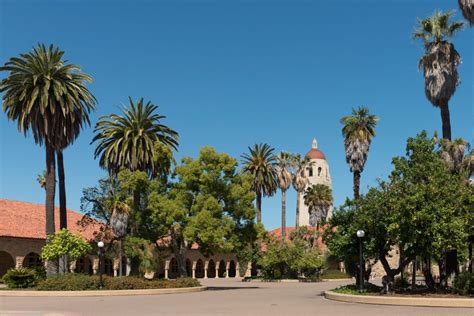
(232, 270)
(221, 270)
(32, 260)
(320, 169)
(254, 269)
(84, 265)
(211, 269)
(6, 262)
(189, 268)
(199, 269)
(173, 269)
(108, 266)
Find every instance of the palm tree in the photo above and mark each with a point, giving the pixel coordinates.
(440, 62)
(46, 95)
(127, 140)
(300, 181)
(260, 164)
(358, 130)
(283, 167)
(467, 9)
(318, 198)
(119, 223)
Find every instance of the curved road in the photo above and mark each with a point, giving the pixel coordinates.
(225, 297)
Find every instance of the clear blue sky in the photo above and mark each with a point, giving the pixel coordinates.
(230, 74)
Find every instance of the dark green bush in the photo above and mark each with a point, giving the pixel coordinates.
(69, 282)
(81, 282)
(20, 278)
(464, 283)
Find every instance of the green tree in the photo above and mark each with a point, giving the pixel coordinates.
(358, 131)
(129, 141)
(440, 62)
(283, 171)
(318, 198)
(300, 181)
(260, 164)
(64, 243)
(423, 210)
(210, 204)
(46, 95)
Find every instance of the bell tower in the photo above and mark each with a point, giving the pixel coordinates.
(316, 173)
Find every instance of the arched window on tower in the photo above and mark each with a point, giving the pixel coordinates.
(310, 171)
(319, 171)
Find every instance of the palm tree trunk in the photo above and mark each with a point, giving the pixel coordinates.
(63, 262)
(50, 193)
(62, 191)
(120, 256)
(298, 209)
(446, 121)
(283, 215)
(356, 185)
(259, 208)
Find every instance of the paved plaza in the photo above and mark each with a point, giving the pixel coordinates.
(224, 297)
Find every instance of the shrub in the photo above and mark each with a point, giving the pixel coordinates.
(464, 283)
(20, 278)
(69, 282)
(81, 282)
(354, 289)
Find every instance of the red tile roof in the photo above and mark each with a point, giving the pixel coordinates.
(27, 220)
(315, 153)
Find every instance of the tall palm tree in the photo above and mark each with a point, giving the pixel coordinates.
(46, 95)
(318, 198)
(127, 140)
(260, 164)
(300, 181)
(358, 130)
(283, 167)
(467, 9)
(119, 223)
(440, 62)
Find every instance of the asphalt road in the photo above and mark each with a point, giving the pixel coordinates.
(224, 297)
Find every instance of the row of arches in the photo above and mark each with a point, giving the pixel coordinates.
(213, 268)
(31, 260)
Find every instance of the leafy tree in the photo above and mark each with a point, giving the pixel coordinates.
(423, 210)
(260, 164)
(467, 9)
(210, 204)
(46, 95)
(318, 198)
(358, 130)
(440, 62)
(291, 258)
(283, 167)
(300, 181)
(64, 243)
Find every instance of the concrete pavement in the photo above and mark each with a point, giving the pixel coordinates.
(224, 297)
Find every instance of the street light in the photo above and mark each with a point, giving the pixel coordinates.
(100, 244)
(360, 235)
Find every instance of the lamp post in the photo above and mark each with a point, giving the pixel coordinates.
(360, 235)
(100, 244)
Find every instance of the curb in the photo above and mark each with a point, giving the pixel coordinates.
(87, 293)
(401, 301)
(336, 280)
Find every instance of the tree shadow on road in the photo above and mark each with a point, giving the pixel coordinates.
(224, 288)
